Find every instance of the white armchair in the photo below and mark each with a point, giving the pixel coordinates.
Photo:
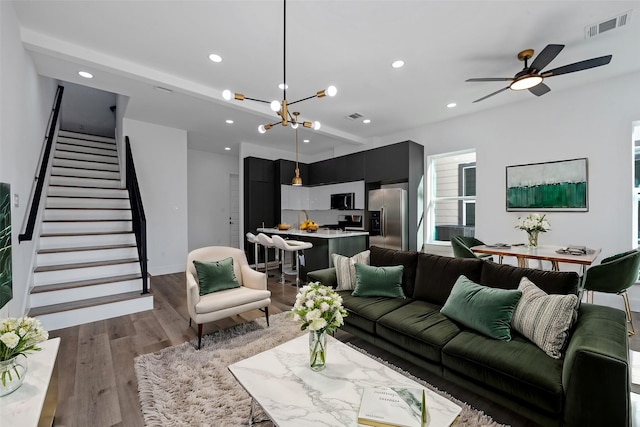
(251, 295)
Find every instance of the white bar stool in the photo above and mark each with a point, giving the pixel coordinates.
(294, 247)
(266, 241)
(251, 238)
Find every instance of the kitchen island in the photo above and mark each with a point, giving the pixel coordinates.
(325, 243)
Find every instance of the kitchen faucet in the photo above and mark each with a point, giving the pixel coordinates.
(306, 216)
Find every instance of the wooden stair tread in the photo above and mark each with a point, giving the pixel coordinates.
(63, 150)
(59, 267)
(94, 233)
(88, 197)
(86, 248)
(92, 302)
(82, 283)
(88, 187)
(85, 220)
(83, 177)
(92, 208)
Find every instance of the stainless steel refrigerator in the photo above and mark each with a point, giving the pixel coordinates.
(389, 224)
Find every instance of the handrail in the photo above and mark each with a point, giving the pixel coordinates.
(44, 164)
(139, 220)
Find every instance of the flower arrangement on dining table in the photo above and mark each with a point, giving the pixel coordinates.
(18, 336)
(320, 310)
(533, 224)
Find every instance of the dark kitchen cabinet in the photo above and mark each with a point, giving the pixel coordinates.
(260, 204)
(389, 163)
(338, 169)
(286, 170)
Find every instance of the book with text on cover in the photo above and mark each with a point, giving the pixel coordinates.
(393, 407)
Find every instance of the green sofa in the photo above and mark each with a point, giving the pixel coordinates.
(588, 386)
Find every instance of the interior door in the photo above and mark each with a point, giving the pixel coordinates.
(234, 211)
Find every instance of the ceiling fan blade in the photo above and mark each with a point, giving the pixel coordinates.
(578, 66)
(491, 94)
(547, 55)
(491, 79)
(539, 89)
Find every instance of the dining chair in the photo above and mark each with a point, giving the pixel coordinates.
(614, 275)
(462, 245)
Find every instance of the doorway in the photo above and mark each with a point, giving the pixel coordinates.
(234, 211)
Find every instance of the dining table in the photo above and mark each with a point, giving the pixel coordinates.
(551, 253)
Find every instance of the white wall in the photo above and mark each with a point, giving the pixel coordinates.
(208, 190)
(593, 121)
(160, 155)
(25, 104)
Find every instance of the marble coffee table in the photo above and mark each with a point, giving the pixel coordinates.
(291, 394)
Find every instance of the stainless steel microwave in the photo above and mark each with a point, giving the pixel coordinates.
(342, 201)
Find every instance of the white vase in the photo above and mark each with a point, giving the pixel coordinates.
(12, 374)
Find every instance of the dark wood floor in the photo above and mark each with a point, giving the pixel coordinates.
(97, 381)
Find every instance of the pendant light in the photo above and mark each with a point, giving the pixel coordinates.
(297, 180)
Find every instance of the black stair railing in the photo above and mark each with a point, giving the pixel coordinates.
(139, 220)
(42, 171)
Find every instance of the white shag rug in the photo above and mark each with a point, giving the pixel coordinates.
(182, 386)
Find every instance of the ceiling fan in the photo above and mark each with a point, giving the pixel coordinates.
(531, 77)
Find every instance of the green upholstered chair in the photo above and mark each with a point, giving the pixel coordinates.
(614, 275)
(461, 248)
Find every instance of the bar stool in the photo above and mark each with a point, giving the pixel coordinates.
(294, 247)
(251, 238)
(267, 243)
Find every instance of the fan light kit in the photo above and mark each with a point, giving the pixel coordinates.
(532, 77)
(282, 107)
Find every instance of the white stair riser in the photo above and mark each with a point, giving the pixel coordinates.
(87, 143)
(70, 257)
(83, 214)
(85, 173)
(64, 162)
(86, 156)
(55, 242)
(55, 190)
(86, 227)
(76, 202)
(85, 137)
(88, 273)
(65, 319)
(60, 146)
(85, 292)
(84, 182)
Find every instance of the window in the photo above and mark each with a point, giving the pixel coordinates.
(636, 189)
(452, 196)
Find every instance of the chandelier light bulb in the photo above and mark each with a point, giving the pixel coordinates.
(261, 129)
(226, 94)
(332, 90)
(316, 125)
(275, 106)
(294, 125)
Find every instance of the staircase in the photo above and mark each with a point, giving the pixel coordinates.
(87, 265)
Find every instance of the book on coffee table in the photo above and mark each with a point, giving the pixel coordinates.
(393, 407)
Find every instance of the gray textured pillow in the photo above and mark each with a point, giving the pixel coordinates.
(346, 270)
(544, 319)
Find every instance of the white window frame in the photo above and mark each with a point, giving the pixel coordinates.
(432, 200)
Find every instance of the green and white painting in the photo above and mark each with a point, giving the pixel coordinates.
(5, 244)
(559, 185)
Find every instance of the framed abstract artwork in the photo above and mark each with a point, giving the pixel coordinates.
(552, 186)
(6, 291)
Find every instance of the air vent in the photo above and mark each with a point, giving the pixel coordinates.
(608, 25)
(354, 116)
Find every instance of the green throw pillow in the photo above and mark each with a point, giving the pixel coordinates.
(374, 281)
(484, 309)
(215, 276)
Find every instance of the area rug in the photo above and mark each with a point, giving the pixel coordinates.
(182, 386)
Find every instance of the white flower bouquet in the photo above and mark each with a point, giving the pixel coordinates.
(319, 308)
(534, 222)
(18, 336)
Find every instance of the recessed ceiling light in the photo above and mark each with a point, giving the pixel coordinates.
(306, 141)
(366, 121)
(85, 74)
(283, 86)
(451, 105)
(229, 121)
(227, 148)
(215, 57)
(397, 64)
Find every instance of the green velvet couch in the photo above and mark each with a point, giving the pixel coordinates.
(588, 386)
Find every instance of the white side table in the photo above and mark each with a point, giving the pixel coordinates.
(34, 403)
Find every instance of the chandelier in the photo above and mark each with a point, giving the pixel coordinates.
(281, 108)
